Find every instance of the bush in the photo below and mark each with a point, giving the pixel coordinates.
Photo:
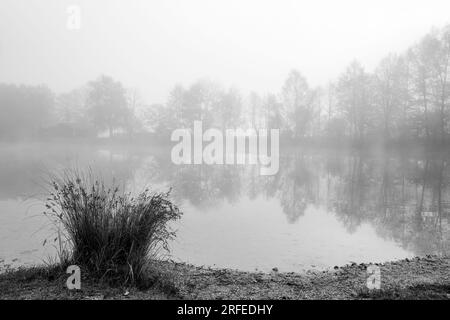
(110, 233)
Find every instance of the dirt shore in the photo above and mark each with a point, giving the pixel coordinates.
(418, 278)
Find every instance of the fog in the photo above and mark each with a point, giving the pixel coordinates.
(291, 134)
(152, 45)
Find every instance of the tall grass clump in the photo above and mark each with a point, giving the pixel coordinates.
(110, 233)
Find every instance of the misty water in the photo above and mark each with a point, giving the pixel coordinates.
(323, 208)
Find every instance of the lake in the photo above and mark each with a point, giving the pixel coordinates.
(323, 208)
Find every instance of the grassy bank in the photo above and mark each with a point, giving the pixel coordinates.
(419, 278)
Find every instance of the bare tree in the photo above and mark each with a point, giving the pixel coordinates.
(353, 94)
(107, 104)
(298, 104)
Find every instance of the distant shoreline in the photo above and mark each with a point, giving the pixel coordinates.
(416, 278)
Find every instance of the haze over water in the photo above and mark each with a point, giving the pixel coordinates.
(323, 208)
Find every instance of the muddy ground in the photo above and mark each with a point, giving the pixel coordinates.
(418, 278)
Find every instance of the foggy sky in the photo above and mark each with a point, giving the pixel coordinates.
(152, 45)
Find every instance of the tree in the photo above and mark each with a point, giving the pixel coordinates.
(389, 78)
(298, 104)
(440, 70)
(255, 108)
(422, 77)
(273, 108)
(228, 109)
(71, 106)
(107, 104)
(353, 95)
(135, 104)
(199, 102)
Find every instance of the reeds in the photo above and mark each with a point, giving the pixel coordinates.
(110, 233)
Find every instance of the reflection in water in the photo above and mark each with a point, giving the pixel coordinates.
(323, 208)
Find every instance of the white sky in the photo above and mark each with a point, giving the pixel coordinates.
(152, 45)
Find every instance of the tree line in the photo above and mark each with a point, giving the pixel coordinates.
(406, 97)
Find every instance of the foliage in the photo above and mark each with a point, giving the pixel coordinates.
(109, 232)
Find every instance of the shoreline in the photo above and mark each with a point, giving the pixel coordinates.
(417, 278)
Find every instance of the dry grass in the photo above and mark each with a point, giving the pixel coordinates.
(109, 233)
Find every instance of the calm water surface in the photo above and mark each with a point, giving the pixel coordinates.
(323, 208)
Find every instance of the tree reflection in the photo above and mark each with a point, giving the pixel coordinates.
(405, 196)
